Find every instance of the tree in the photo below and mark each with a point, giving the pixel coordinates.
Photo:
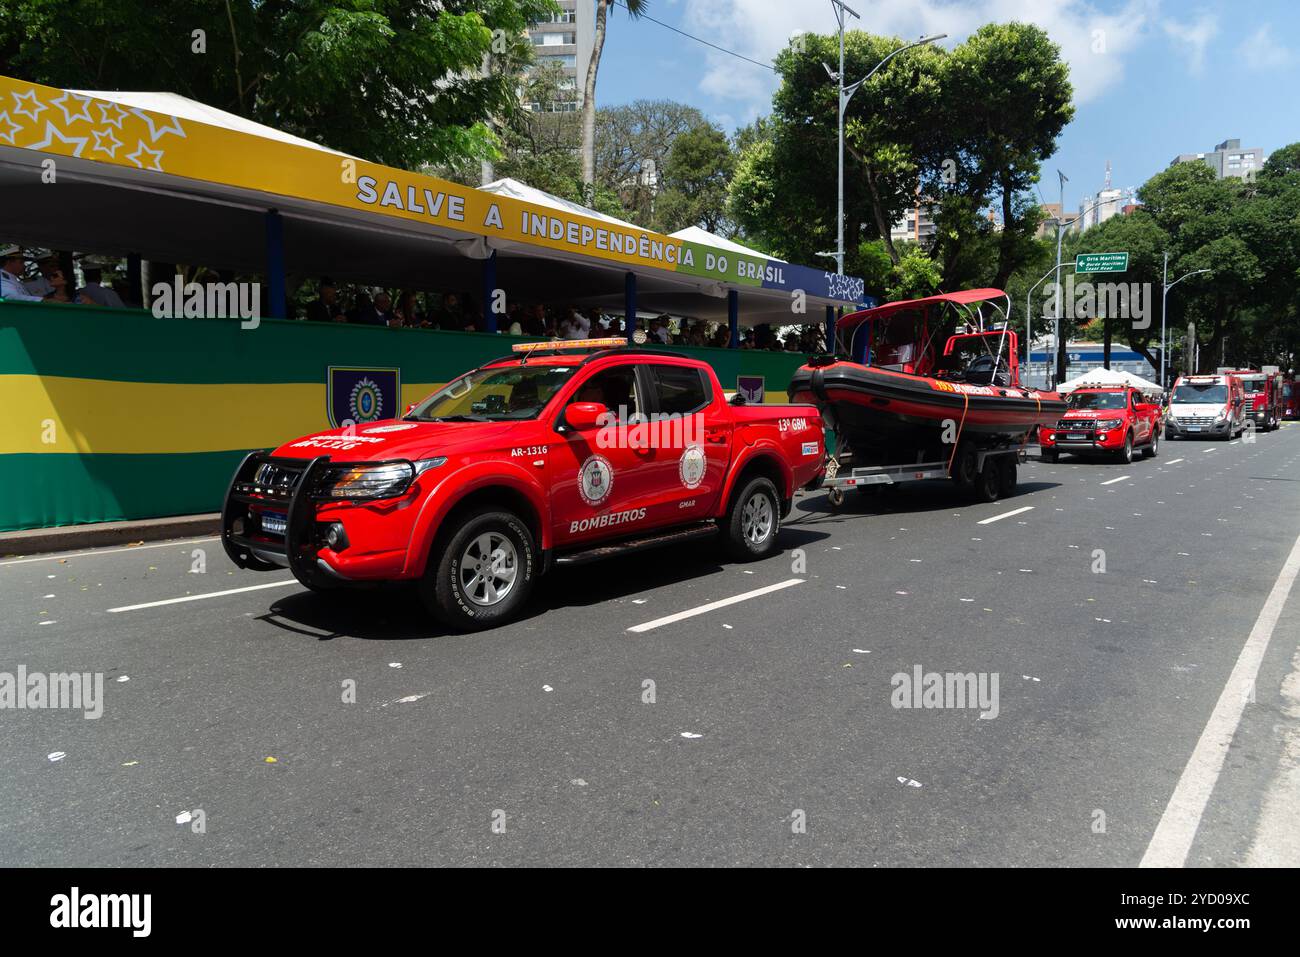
(957, 131)
(1006, 97)
(634, 8)
(635, 138)
(395, 81)
(695, 181)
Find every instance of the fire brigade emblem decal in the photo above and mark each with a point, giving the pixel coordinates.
(362, 396)
(690, 467)
(595, 480)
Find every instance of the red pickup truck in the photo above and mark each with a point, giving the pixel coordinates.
(1113, 420)
(542, 457)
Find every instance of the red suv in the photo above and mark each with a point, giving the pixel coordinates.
(537, 458)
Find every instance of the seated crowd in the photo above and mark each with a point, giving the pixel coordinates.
(49, 282)
(363, 305)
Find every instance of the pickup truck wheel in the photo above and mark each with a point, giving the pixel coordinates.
(988, 487)
(1126, 453)
(753, 521)
(1153, 447)
(483, 574)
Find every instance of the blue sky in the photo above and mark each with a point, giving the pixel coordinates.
(1153, 78)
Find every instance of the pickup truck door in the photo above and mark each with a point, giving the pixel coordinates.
(601, 481)
(695, 439)
(1141, 414)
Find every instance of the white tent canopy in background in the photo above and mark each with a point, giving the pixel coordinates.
(1107, 377)
(694, 234)
(531, 194)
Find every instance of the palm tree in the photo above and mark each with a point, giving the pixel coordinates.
(634, 8)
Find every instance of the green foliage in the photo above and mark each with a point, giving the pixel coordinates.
(968, 129)
(915, 275)
(395, 81)
(695, 181)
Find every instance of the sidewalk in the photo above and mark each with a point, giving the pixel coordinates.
(36, 541)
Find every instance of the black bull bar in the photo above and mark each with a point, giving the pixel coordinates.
(300, 545)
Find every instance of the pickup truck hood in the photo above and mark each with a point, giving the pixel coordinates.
(396, 439)
(1094, 414)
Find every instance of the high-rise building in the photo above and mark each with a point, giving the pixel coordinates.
(566, 38)
(1228, 159)
(917, 224)
(1051, 213)
(1108, 202)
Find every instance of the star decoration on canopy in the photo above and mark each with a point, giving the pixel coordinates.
(105, 142)
(53, 133)
(35, 107)
(155, 157)
(70, 116)
(173, 125)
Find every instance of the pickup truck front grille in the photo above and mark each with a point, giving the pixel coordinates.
(276, 477)
(1076, 425)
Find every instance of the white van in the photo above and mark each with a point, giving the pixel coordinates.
(1206, 405)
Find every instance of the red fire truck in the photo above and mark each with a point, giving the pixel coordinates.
(1264, 399)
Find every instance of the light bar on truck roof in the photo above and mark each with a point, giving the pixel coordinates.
(556, 345)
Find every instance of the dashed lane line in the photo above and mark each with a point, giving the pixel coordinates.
(210, 594)
(1114, 480)
(1013, 512)
(714, 605)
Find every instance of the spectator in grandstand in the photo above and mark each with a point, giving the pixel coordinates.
(325, 307)
(406, 314)
(11, 284)
(361, 307)
(575, 325)
(449, 314)
(94, 291)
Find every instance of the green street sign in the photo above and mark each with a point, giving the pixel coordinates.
(1101, 262)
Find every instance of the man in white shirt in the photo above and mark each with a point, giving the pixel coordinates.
(94, 290)
(11, 284)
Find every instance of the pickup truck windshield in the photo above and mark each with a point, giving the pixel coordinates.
(494, 395)
(1210, 392)
(1097, 400)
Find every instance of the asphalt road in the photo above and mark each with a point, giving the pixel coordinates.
(768, 713)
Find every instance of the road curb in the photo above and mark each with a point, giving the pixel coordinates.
(35, 541)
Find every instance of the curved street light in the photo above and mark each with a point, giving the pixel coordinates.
(846, 94)
(1164, 297)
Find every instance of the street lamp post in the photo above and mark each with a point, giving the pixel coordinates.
(1061, 223)
(1165, 286)
(1029, 328)
(846, 94)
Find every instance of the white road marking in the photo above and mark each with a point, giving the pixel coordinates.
(998, 518)
(109, 551)
(1114, 480)
(1182, 817)
(210, 594)
(714, 605)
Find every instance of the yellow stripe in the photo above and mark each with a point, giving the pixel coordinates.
(62, 414)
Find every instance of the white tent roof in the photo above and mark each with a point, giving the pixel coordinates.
(694, 234)
(531, 194)
(170, 104)
(1107, 377)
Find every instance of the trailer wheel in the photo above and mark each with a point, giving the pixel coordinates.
(988, 486)
(1007, 485)
(836, 497)
(1051, 458)
(965, 469)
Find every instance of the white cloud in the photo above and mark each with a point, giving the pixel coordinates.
(1194, 37)
(1262, 52)
(1093, 43)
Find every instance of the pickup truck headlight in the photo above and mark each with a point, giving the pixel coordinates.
(1110, 423)
(375, 481)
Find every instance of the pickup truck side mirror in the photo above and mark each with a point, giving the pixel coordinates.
(584, 416)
